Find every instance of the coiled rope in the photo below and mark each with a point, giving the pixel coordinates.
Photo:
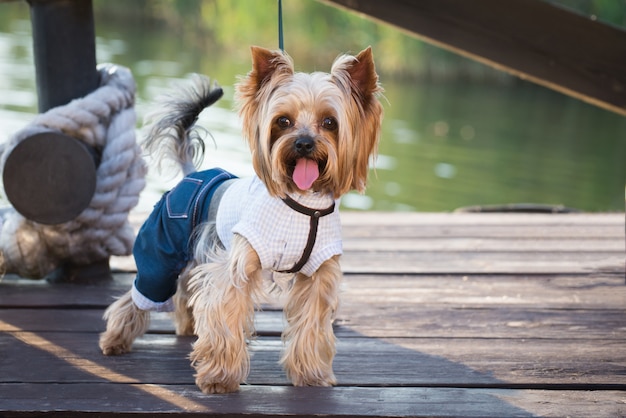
(104, 120)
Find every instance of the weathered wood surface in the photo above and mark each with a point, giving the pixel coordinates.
(532, 39)
(418, 335)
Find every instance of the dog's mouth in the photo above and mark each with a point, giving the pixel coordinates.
(305, 172)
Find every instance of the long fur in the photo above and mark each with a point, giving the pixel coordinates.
(123, 315)
(219, 290)
(173, 133)
(309, 337)
(223, 296)
(349, 93)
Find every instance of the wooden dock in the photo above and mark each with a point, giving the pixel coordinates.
(490, 315)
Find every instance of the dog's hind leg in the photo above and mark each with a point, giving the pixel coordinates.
(309, 337)
(125, 322)
(183, 315)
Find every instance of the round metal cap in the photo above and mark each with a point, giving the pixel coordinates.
(50, 178)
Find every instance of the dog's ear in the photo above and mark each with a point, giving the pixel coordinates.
(363, 73)
(266, 63)
(356, 75)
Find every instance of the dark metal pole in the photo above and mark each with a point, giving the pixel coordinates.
(65, 50)
(65, 65)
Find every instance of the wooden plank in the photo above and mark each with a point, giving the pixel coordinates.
(399, 320)
(258, 401)
(390, 262)
(494, 243)
(15, 292)
(516, 260)
(525, 363)
(521, 232)
(452, 362)
(599, 290)
(480, 292)
(504, 226)
(568, 403)
(474, 243)
(470, 307)
(456, 243)
(267, 323)
(376, 219)
(480, 244)
(409, 321)
(595, 292)
(24, 293)
(531, 39)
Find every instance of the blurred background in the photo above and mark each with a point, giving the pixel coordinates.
(456, 133)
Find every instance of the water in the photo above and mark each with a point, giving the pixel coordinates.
(448, 140)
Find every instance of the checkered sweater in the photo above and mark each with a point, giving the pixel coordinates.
(277, 232)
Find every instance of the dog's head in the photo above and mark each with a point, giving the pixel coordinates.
(311, 131)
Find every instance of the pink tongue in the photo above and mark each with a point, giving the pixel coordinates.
(305, 173)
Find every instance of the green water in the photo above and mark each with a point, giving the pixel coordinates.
(455, 133)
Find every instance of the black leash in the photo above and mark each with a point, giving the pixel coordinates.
(281, 44)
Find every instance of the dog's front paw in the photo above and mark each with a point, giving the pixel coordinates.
(113, 346)
(125, 322)
(212, 381)
(218, 374)
(213, 387)
(313, 379)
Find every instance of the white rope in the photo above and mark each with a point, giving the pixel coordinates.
(105, 119)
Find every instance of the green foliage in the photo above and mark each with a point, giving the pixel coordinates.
(233, 25)
(608, 11)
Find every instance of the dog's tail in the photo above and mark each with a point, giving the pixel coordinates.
(172, 132)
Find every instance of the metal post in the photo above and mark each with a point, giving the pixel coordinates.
(65, 64)
(65, 50)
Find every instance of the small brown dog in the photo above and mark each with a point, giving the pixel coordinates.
(213, 241)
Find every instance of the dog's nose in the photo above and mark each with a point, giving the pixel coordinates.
(304, 145)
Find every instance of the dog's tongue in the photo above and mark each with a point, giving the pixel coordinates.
(305, 173)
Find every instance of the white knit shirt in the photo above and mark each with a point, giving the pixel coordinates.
(277, 232)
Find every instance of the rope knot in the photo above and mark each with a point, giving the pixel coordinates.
(104, 120)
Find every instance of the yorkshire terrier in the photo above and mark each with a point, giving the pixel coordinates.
(212, 242)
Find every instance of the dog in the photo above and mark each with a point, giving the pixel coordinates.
(213, 242)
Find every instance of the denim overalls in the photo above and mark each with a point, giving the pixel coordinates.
(163, 246)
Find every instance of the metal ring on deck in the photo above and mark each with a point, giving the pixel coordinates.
(50, 178)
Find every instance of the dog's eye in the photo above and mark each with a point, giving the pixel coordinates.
(329, 124)
(283, 122)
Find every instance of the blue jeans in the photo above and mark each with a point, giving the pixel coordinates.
(163, 246)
